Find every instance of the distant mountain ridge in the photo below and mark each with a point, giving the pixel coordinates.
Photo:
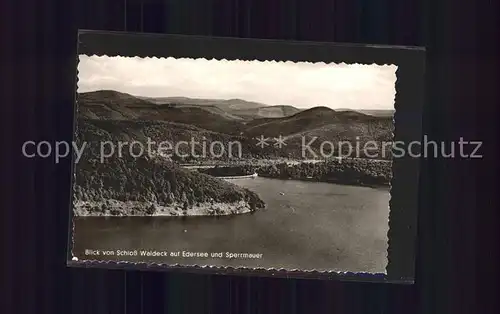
(226, 104)
(251, 110)
(174, 121)
(154, 185)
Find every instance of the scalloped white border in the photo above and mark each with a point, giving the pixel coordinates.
(271, 271)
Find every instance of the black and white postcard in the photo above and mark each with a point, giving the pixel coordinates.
(235, 163)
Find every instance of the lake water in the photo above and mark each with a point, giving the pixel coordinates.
(306, 225)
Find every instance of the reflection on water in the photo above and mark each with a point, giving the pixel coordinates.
(306, 225)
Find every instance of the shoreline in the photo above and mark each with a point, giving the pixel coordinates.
(115, 208)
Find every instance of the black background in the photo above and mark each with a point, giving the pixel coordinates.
(458, 264)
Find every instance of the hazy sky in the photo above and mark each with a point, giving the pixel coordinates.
(302, 85)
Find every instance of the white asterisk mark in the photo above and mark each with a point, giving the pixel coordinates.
(280, 141)
(262, 141)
